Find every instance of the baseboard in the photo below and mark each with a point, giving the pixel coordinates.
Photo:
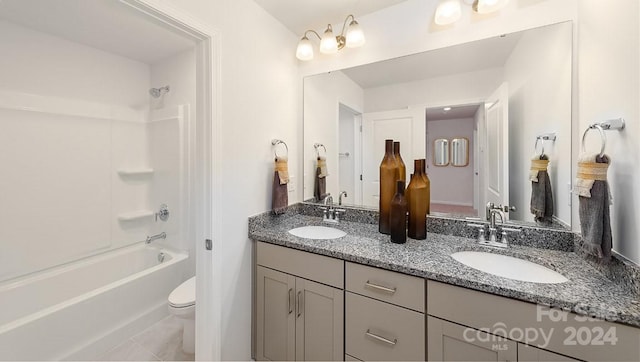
(454, 203)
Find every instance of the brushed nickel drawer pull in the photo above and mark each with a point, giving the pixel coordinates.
(298, 303)
(291, 300)
(379, 287)
(381, 339)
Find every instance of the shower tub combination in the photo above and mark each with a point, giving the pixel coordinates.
(80, 310)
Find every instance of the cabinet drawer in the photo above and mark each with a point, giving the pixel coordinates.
(380, 331)
(320, 268)
(400, 289)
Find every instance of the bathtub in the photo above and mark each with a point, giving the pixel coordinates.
(80, 310)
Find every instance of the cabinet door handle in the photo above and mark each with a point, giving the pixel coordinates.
(368, 284)
(381, 339)
(299, 304)
(291, 300)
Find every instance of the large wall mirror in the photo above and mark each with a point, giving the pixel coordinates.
(498, 94)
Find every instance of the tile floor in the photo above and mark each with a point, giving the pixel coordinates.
(160, 342)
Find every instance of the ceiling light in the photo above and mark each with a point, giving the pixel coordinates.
(330, 44)
(446, 109)
(448, 12)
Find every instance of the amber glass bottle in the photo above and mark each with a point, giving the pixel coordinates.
(402, 169)
(417, 203)
(398, 219)
(428, 182)
(388, 177)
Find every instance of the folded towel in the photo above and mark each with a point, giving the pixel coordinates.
(594, 200)
(320, 187)
(280, 194)
(541, 205)
(322, 165)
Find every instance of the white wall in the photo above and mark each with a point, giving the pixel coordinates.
(260, 98)
(445, 90)
(323, 95)
(609, 62)
(179, 72)
(540, 102)
(451, 185)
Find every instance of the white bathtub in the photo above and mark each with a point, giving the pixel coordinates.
(79, 310)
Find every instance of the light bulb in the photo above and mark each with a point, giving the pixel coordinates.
(448, 12)
(305, 49)
(355, 36)
(489, 6)
(328, 43)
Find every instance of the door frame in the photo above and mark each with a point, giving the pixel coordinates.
(204, 187)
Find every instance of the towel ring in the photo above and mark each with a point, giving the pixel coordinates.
(276, 142)
(317, 147)
(603, 136)
(535, 147)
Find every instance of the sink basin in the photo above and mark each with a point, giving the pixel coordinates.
(509, 267)
(317, 232)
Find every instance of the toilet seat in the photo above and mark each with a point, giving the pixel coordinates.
(184, 295)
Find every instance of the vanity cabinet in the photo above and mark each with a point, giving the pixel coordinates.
(298, 318)
(384, 315)
(462, 317)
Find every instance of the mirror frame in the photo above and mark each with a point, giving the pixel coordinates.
(464, 141)
(441, 145)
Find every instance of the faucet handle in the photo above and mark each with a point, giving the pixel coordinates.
(337, 212)
(481, 237)
(504, 239)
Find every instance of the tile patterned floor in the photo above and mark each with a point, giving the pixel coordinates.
(160, 342)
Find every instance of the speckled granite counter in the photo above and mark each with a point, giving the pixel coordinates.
(589, 290)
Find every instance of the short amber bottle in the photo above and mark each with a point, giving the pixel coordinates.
(388, 178)
(398, 220)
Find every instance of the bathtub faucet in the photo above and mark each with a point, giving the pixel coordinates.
(162, 235)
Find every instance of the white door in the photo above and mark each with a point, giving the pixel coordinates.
(496, 155)
(404, 125)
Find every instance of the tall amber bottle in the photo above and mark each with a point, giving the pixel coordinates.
(388, 178)
(398, 219)
(402, 169)
(417, 203)
(428, 182)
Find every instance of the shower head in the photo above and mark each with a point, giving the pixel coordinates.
(157, 92)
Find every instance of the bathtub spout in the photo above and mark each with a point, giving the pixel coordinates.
(162, 235)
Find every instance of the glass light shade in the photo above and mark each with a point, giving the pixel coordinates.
(448, 12)
(305, 49)
(355, 36)
(489, 6)
(328, 43)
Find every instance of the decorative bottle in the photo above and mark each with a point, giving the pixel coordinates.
(398, 220)
(417, 203)
(388, 177)
(402, 169)
(428, 182)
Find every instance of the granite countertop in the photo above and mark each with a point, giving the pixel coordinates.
(588, 290)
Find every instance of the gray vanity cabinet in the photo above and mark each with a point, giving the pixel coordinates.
(532, 354)
(298, 318)
(453, 342)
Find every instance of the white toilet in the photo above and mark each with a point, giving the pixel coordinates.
(182, 304)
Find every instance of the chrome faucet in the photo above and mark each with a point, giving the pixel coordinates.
(329, 213)
(493, 229)
(343, 193)
(492, 211)
(162, 235)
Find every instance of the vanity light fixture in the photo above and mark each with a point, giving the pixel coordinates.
(330, 44)
(450, 11)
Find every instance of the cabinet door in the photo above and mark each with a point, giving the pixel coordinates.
(319, 322)
(452, 342)
(532, 354)
(275, 315)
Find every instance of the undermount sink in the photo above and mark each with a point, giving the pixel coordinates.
(509, 267)
(317, 232)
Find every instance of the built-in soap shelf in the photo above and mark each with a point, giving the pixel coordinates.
(135, 215)
(135, 172)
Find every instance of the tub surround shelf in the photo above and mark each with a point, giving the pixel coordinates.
(588, 289)
(135, 172)
(135, 215)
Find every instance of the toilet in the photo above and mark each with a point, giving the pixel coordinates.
(182, 304)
